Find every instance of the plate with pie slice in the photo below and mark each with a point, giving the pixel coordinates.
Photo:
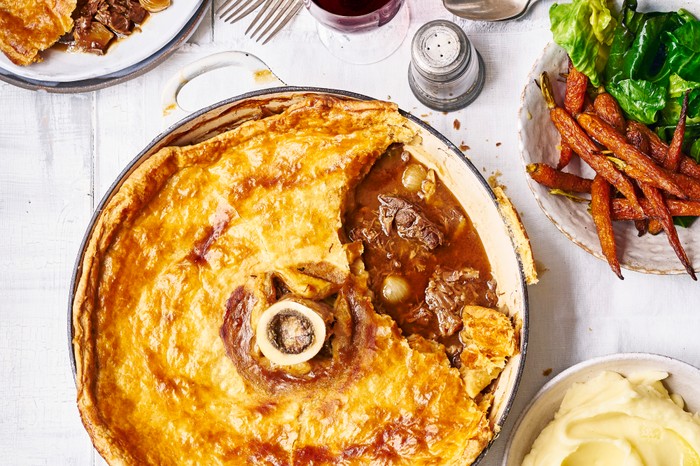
(112, 50)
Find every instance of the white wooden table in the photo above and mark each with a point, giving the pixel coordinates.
(59, 154)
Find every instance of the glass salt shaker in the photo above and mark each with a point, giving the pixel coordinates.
(446, 71)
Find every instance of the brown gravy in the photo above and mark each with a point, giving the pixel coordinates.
(414, 261)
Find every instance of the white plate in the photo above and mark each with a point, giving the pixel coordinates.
(538, 143)
(683, 380)
(62, 67)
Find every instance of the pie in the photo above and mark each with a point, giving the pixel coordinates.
(194, 247)
(28, 27)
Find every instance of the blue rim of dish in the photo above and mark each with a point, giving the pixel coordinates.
(130, 72)
(145, 153)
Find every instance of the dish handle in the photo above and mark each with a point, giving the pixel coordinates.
(212, 79)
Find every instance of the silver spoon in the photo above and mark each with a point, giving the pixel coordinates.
(488, 10)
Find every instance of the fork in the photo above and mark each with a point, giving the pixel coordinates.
(273, 14)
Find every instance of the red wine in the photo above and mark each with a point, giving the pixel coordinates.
(351, 7)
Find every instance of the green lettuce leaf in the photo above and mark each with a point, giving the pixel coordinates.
(694, 151)
(647, 61)
(637, 50)
(676, 89)
(642, 60)
(654, 59)
(691, 145)
(682, 52)
(684, 222)
(686, 15)
(585, 29)
(625, 33)
(640, 100)
(634, 71)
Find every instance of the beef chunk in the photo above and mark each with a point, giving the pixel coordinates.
(91, 36)
(410, 222)
(420, 316)
(447, 293)
(115, 15)
(449, 322)
(137, 13)
(364, 232)
(114, 20)
(89, 8)
(97, 21)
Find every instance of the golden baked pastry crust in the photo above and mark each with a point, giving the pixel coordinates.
(191, 246)
(28, 27)
(489, 340)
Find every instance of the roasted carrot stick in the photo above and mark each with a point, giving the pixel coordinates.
(690, 168)
(660, 211)
(641, 142)
(551, 178)
(622, 210)
(607, 108)
(579, 141)
(606, 134)
(641, 224)
(574, 97)
(655, 226)
(638, 139)
(588, 105)
(649, 225)
(659, 150)
(673, 159)
(690, 186)
(565, 155)
(600, 210)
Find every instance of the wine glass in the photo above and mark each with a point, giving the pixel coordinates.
(360, 31)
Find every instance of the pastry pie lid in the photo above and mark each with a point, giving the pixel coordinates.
(504, 239)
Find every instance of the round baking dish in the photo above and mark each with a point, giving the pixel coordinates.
(491, 215)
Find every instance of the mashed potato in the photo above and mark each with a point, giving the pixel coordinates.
(616, 421)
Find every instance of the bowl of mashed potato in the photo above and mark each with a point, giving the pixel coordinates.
(624, 410)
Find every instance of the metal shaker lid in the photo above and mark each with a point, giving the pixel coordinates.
(440, 50)
(446, 72)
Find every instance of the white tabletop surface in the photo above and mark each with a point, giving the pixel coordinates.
(59, 154)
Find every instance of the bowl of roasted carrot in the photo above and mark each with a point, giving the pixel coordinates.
(610, 134)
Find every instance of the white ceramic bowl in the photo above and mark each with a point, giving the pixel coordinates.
(683, 380)
(538, 143)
